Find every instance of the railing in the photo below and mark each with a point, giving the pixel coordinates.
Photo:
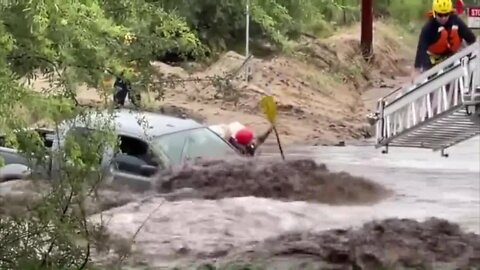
(447, 86)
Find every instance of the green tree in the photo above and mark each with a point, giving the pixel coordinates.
(71, 43)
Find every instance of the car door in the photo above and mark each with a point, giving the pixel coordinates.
(135, 164)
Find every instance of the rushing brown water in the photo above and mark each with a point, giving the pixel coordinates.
(424, 183)
(298, 212)
(386, 244)
(271, 219)
(292, 180)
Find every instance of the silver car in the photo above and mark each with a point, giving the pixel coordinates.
(149, 142)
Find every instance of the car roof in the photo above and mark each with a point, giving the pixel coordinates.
(141, 123)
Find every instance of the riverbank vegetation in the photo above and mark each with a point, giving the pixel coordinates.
(76, 42)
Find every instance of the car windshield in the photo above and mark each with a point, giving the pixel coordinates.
(191, 144)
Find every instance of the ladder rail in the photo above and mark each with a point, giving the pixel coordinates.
(421, 106)
(446, 88)
(444, 131)
(423, 90)
(469, 51)
(424, 77)
(387, 140)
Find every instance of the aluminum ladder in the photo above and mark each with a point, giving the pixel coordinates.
(441, 108)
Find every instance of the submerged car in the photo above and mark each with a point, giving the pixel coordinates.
(149, 142)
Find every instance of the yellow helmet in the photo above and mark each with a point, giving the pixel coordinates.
(442, 6)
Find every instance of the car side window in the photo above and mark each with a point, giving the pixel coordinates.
(191, 144)
(133, 153)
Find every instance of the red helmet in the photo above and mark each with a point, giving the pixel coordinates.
(244, 136)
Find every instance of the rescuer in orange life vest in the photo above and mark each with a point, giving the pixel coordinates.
(441, 37)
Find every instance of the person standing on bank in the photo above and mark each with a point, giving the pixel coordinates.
(123, 87)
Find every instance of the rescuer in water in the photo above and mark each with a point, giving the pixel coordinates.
(441, 37)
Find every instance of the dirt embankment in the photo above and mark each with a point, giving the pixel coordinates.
(321, 88)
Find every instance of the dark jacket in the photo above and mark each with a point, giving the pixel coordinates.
(430, 34)
(122, 88)
(122, 84)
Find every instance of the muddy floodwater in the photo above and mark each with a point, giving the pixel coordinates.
(267, 210)
(425, 184)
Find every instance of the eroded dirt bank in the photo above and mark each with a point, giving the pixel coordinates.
(320, 87)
